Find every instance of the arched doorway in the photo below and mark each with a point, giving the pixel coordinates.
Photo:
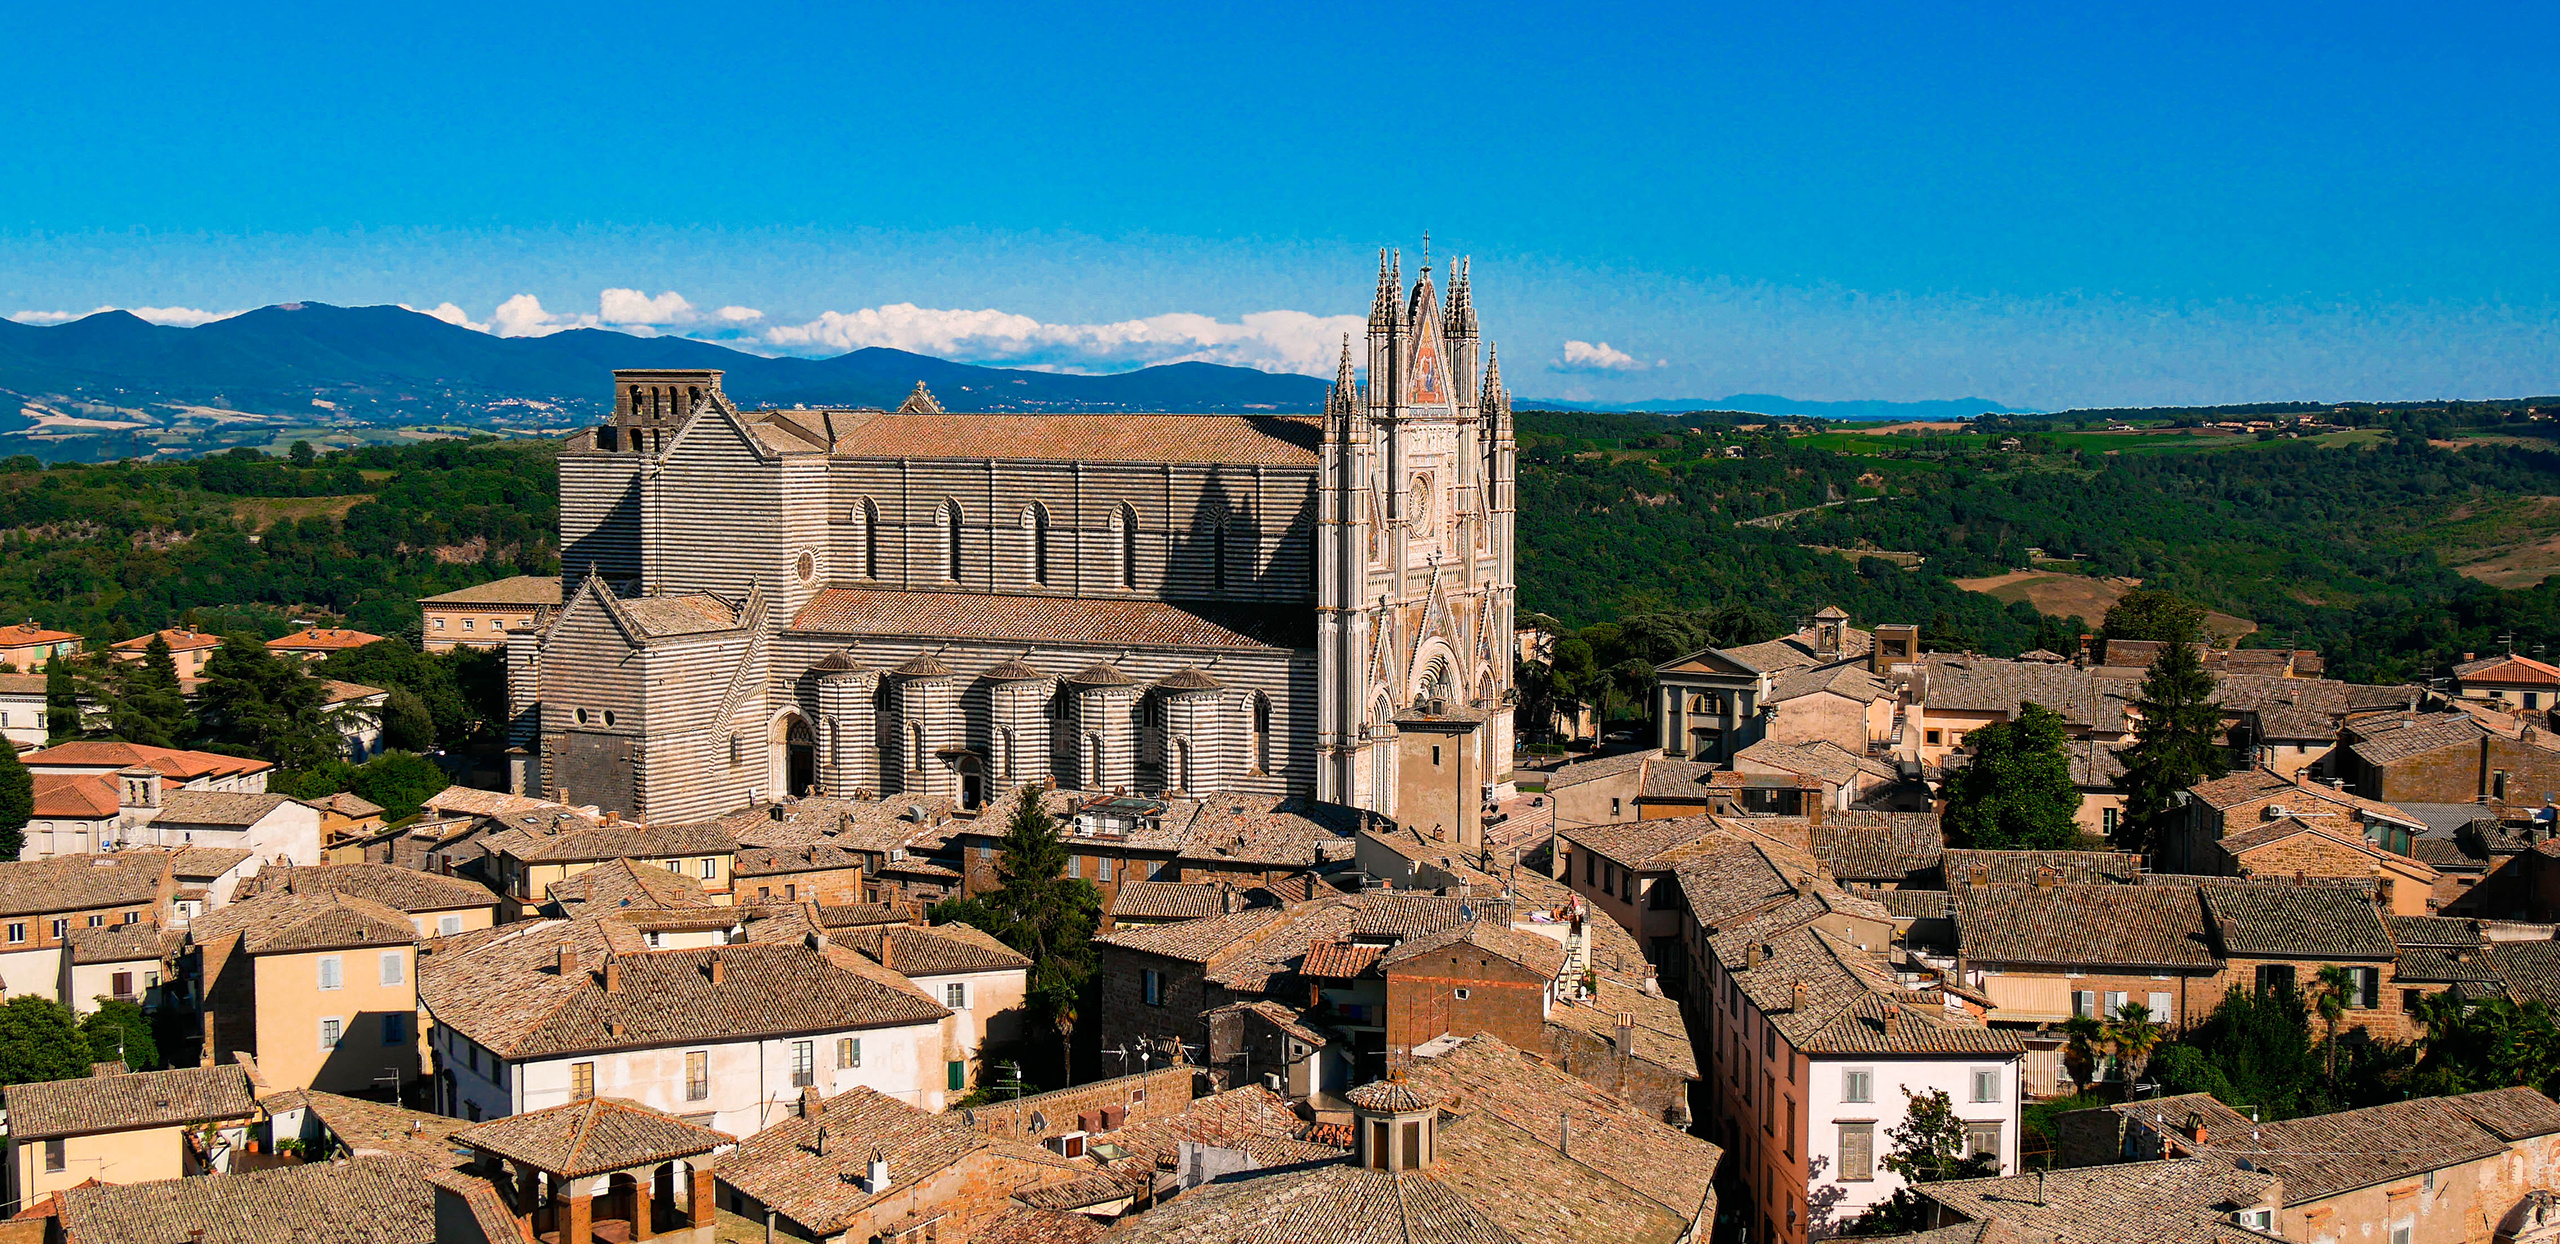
(973, 782)
(794, 751)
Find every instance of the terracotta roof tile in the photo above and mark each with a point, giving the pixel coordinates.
(1269, 440)
(121, 1102)
(592, 1137)
(79, 882)
(1340, 961)
(403, 889)
(1168, 900)
(936, 951)
(2290, 919)
(519, 590)
(2130, 926)
(2179, 1202)
(76, 796)
(307, 1202)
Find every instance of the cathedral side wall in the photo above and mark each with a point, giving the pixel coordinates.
(713, 515)
(600, 514)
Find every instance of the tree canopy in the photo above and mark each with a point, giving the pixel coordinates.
(2177, 743)
(39, 1040)
(2016, 792)
(17, 801)
(1039, 910)
(2146, 613)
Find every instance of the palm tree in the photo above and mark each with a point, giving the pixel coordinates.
(2080, 1057)
(2134, 1035)
(2334, 986)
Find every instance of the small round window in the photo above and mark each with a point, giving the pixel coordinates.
(582, 716)
(608, 717)
(808, 566)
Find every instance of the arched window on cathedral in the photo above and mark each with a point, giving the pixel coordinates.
(1004, 756)
(951, 540)
(866, 520)
(1092, 768)
(1035, 530)
(1261, 733)
(915, 748)
(1126, 524)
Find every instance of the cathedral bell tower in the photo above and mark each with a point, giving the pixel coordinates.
(1415, 541)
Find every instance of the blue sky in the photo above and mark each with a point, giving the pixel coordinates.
(2041, 205)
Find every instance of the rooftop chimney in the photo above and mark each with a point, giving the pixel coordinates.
(1795, 998)
(1230, 900)
(612, 817)
(2195, 1126)
(568, 960)
(1751, 956)
(879, 1178)
(1564, 1141)
(822, 1140)
(2044, 878)
(612, 975)
(1627, 1032)
(1893, 1022)
(888, 948)
(718, 972)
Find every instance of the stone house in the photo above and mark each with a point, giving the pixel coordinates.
(1599, 790)
(438, 906)
(277, 828)
(2283, 932)
(188, 647)
(861, 1166)
(322, 989)
(25, 715)
(346, 818)
(2045, 952)
(538, 850)
(115, 962)
(2294, 846)
(2434, 1170)
(1827, 682)
(122, 1129)
(1471, 978)
(2242, 801)
(43, 902)
(1958, 693)
(2509, 680)
(2445, 758)
(1632, 1043)
(719, 1016)
(1624, 871)
(984, 983)
(481, 615)
(25, 646)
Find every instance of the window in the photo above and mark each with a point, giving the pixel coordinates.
(2256, 1219)
(956, 996)
(582, 1081)
(1036, 521)
(1768, 1042)
(1435, 755)
(1151, 986)
(2107, 820)
(2401, 1233)
(1857, 1084)
(1617, 806)
(61, 929)
(804, 1063)
(710, 869)
(868, 518)
(848, 1053)
(395, 1028)
(394, 972)
(1986, 1084)
(1126, 523)
(330, 1031)
(1982, 1139)
(2162, 1006)
(697, 1075)
(133, 917)
(469, 624)
(2115, 1003)
(2275, 977)
(448, 925)
(955, 1075)
(2084, 1003)
(439, 624)
(1102, 864)
(2366, 993)
(97, 922)
(675, 866)
(18, 931)
(1857, 1151)
(120, 984)
(1933, 737)
(331, 972)
(54, 1158)
(1464, 994)
(951, 540)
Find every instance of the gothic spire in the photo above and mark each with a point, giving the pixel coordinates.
(1382, 311)
(1493, 391)
(1462, 301)
(1344, 398)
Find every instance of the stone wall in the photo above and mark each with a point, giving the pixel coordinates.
(1144, 1097)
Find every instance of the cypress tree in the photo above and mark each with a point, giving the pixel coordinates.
(2176, 745)
(17, 801)
(61, 700)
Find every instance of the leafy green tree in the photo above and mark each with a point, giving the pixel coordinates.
(2085, 1048)
(61, 700)
(2016, 793)
(2176, 744)
(2494, 1043)
(300, 454)
(2253, 1050)
(406, 723)
(2330, 992)
(17, 801)
(119, 1030)
(271, 706)
(143, 701)
(1039, 910)
(2149, 613)
(399, 781)
(1928, 1146)
(40, 1041)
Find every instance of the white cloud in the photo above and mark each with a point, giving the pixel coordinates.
(630, 306)
(1587, 356)
(53, 317)
(450, 314)
(1269, 340)
(739, 315)
(523, 316)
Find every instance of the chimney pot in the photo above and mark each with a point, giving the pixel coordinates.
(1795, 1001)
(568, 960)
(613, 976)
(718, 972)
(888, 948)
(1893, 1023)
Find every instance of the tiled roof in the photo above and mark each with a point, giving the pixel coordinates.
(1195, 940)
(1878, 846)
(782, 1166)
(1669, 779)
(322, 639)
(2326, 1154)
(1049, 621)
(508, 994)
(695, 613)
(2509, 670)
(1340, 961)
(1598, 767)
(2410, 931)
(2117, 925)
(1267, 440)
(81, 882)
(1386, 1097)
(592, 1137)
(1962, 865)
(280, 922)
(621, 883)
(1821, 759)
(581, 840)
(313, 1202)
(22, 634)
(1971, 684)
(782, 861)
(403, 889)
(1825, 996)
(181, 639)
(1023, 1225)
(122, 1102)
(2095, 763)
(1639, 845)
(216, 807)
(465, 801)
(1853, 682)
(76, 796)
(1788, 652)
(114, 943)
(109, 755)
(372, 1128)
(2394, 739)
(936, 951)
(1541, 956)
(2443, 965)
(2531, 970)
(207, 862)
(347, 803)
(1735, 874)
(1334, 1203)
(1661, 1035)
(1168, 900)
(523, 589)
(1289, 833)
(2188, 1201)
(2296, 919)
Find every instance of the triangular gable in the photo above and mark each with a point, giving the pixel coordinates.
(1439, 622)
(593, 597)
(1426, 370)
(1708, 661)
(717, 418)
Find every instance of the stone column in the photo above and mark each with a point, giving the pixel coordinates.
(644, 1186)
(528, 1194)
(703, 1210)
(578, 1225)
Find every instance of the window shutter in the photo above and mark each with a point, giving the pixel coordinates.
(329, 968)
(393, 972)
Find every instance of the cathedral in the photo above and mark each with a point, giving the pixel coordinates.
(924, 605)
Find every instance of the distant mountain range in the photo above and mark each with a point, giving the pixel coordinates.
(276, 359)
(1770, 404)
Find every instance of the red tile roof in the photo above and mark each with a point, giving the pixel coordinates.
(1046, 620)
(75, 796)
(322, 639)
(169, 761)
(180, 639)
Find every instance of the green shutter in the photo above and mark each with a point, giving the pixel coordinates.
(959, 1074)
